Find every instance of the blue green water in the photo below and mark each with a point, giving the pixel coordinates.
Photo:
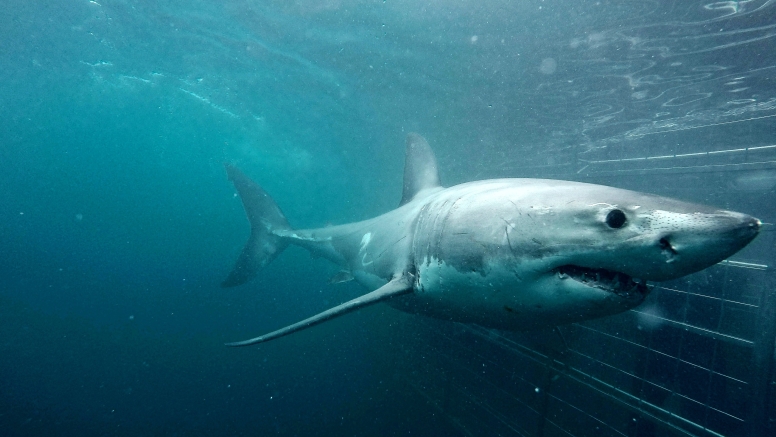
(117, 222)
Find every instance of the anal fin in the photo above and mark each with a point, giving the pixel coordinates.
(397, 286)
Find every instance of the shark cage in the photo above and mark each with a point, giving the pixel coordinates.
(695, 359)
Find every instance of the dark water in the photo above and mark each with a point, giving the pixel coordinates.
(117, 222)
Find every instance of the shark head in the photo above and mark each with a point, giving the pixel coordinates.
(648, 237)
(530, 252)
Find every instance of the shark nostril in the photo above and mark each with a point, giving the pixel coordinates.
(667, 249)
(666, 245)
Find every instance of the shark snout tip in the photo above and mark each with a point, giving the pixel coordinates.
(753, 224)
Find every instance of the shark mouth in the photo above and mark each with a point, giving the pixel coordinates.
(614, 282)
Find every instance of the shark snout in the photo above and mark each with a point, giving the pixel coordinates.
(735, 229)
(749, 228)
(703, 243)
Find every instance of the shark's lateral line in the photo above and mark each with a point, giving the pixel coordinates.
(505, 253)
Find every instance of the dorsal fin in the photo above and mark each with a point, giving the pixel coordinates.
(420, 168)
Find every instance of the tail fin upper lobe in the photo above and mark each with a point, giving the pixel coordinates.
(265, 218)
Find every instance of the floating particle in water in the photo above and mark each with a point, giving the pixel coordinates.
(548, 66)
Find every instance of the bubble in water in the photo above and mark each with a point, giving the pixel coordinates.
(548, 66)
(649, 317)
(79, 217)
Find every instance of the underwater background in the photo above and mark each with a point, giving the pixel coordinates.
(117, 221)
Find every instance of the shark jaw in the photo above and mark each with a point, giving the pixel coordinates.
(607, 280)
(520, 296)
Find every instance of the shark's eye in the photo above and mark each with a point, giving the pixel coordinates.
(615, 219)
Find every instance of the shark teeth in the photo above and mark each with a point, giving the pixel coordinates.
(615, 282)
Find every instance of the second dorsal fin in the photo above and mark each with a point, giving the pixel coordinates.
(420, 168)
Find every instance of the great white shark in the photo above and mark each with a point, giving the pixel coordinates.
(514, 254)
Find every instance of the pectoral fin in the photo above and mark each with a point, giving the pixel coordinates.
(397, 286)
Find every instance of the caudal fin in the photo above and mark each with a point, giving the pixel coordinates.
(266, 219)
